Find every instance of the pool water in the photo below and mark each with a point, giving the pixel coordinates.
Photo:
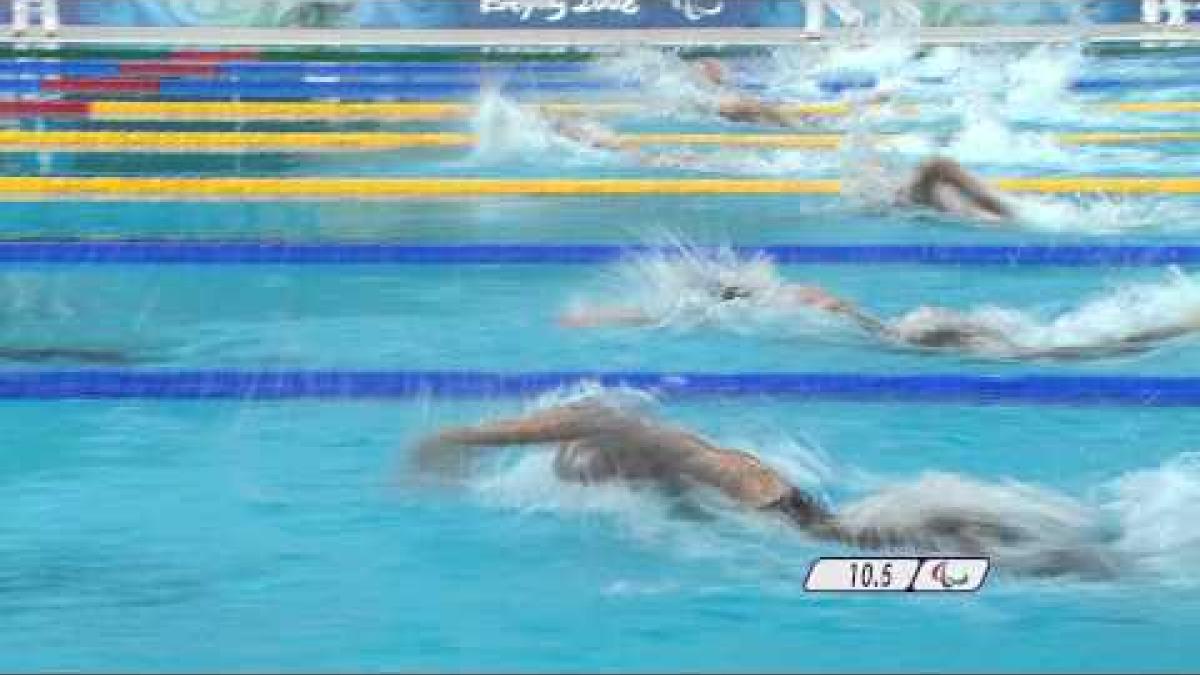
(167, 535)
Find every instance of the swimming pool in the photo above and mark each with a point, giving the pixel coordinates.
(174, 528)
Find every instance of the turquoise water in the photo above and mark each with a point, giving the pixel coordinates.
(172, 536)
(189, 536)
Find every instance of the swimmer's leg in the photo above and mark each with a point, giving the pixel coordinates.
(1131, 344)
(1188, 325)
(942, 171)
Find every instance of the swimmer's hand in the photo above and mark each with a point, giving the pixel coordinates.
(578, 320)
(440, 456)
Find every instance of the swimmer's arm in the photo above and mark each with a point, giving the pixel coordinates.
(606, 316)
(982, 200)
(554, 425)
(551, 425)
(866, 321)
(747, 109)
(450, 451)
(819, 298)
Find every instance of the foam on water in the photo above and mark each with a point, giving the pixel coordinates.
(1157, 510)
(984, 138)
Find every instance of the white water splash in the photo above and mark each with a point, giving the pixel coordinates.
(796, 72)
(986, 139)
(506, 133)
(1039, 82)
(1034, 85)
(620, 399)
(1102, 214)
(1157, 511)
(667, 85)
(681, 290)
(782, 163)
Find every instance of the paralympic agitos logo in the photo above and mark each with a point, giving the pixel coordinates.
(948, 577)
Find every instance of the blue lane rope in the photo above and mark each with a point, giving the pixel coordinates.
(288, 71)
(252, 80)
(332, 384)
(368, 253)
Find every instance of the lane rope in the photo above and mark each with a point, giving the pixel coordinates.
(454, 186)
(340, 384)
(106, 110)
(285, 141)
(157, 252)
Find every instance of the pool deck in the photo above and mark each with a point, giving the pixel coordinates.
(586, 38)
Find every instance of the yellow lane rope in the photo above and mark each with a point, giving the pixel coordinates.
(328, 110)
(209, 141)
(392, 188)
(1155, 106)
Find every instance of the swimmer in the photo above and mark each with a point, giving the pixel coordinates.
(781, 296)
(595, 443)
(712, 77)
(927, 328)
(595, 135)
(99, 357)
(944, 185)
(938, 183)
(727, 102)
